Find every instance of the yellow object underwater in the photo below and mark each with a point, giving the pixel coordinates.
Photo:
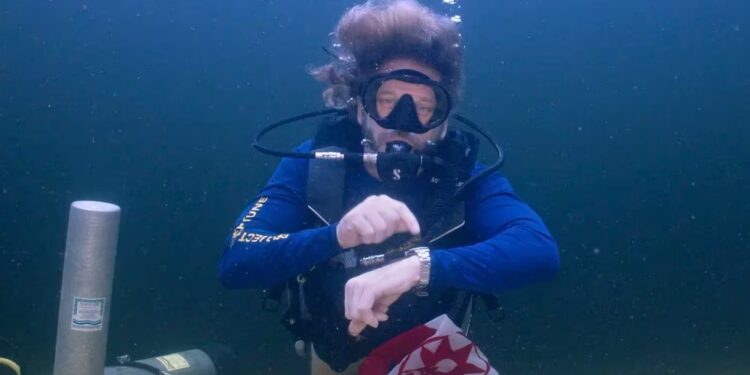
(11, 365)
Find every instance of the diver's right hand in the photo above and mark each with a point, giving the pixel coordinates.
(375, 220)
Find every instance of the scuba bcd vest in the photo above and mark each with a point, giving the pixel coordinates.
(314, 300)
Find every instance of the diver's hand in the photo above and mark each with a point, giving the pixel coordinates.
(375, 220)
(369, 295)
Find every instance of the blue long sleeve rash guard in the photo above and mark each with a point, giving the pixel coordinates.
(270, 245)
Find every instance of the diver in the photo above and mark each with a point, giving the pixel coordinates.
(384, 220)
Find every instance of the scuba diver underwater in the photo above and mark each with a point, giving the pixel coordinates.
(384, 220)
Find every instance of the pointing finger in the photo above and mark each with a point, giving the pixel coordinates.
(407, 218)
(356, 327)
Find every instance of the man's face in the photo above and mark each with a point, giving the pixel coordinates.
(388, 96)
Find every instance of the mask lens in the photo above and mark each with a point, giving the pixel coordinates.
(391, 91)
(390, 98)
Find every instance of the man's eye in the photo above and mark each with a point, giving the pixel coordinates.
(385, 100)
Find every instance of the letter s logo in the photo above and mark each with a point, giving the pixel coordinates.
(396, 174)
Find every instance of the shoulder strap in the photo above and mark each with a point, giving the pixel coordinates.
(326, 178)
(325, 187)
(458, 152)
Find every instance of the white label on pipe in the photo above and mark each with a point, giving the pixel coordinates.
(88, 314)
(172, 362)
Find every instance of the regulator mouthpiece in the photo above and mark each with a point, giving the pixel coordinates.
(398, 146)
(398, 164)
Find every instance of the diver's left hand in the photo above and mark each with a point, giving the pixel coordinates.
(369, 295)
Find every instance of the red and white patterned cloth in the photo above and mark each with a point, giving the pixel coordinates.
(437, 347)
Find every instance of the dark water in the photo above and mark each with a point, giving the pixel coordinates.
(625, 123)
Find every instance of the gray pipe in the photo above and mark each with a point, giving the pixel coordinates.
(85, 297)
(189, 362)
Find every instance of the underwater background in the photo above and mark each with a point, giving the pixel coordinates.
(626, 126)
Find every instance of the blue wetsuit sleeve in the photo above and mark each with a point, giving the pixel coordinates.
(268, 244)
(513, 246)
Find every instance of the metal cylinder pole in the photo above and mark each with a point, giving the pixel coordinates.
(86, 292)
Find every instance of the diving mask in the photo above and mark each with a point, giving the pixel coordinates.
(406, 100)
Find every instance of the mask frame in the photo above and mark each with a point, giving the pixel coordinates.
(404, 115)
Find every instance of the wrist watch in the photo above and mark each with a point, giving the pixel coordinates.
(425, 261)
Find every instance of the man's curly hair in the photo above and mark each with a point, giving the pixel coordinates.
(377, 31)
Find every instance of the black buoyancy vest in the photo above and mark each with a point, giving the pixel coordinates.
(315, 311)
